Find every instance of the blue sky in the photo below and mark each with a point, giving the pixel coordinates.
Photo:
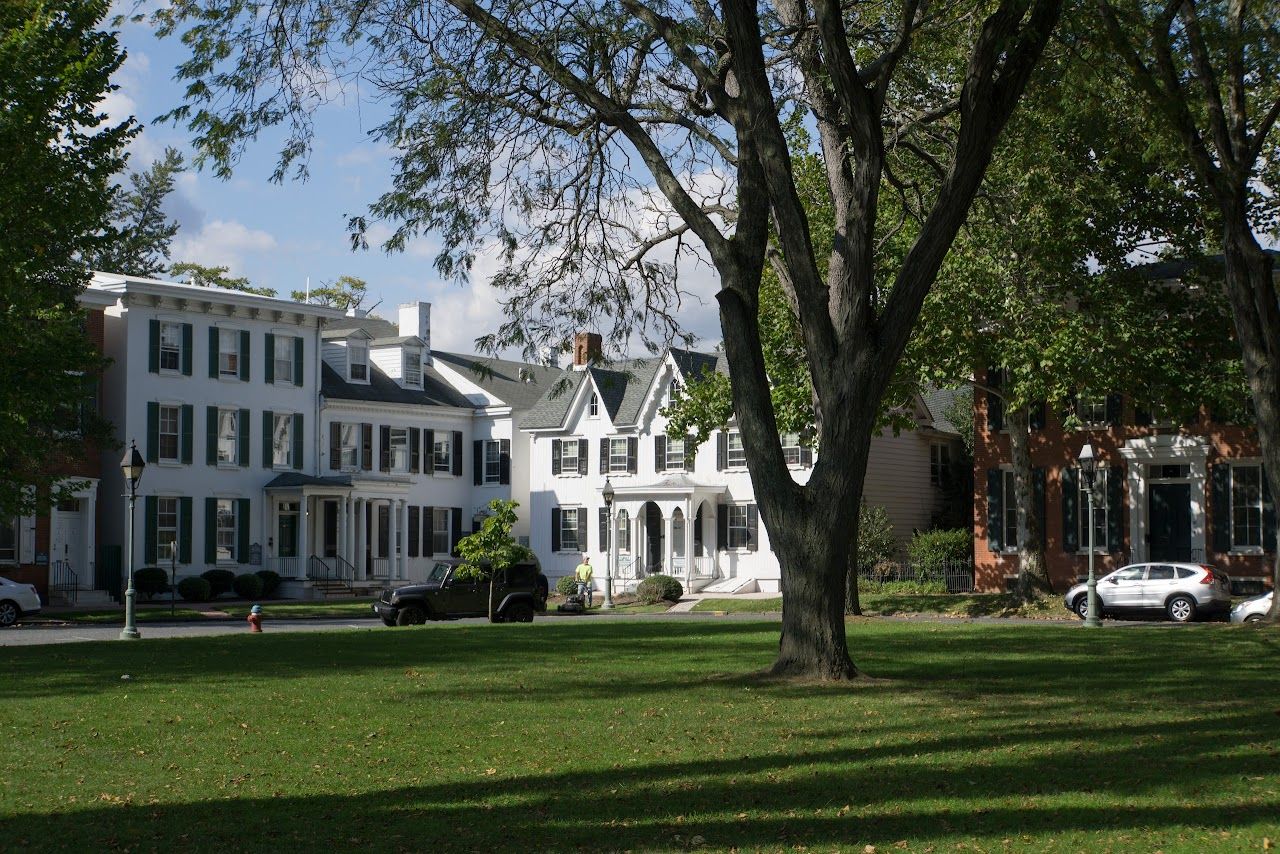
(280, 234)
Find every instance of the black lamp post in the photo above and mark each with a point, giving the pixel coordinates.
(607, 495)
(132, 466)
(1089, 469)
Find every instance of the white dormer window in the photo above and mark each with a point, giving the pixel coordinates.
(358, 359)
(413, 367)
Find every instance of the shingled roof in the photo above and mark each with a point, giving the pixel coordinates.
(381, 388)
(518, 384)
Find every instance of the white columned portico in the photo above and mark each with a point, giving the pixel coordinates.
(304, 531)
(90, 527)
(393, 518)
(362, 537)
(1139, 454)
(340, 547)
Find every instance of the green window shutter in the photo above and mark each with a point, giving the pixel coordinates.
(187, 417)
(295, 452)
(211, 435)
(1069, 478)
(297, 361)
(184, 530)
(1221, 497)
(1268, 515)
(242, 530)
(582, 529)
(555, 457)
(268, 421)
(213, 352)
(211, 530)
(995, 509)
(995, 413)
(153, 432)
(244, 355)
(1115, 409)
(1038, 501)
(660, 453)
(150, 514)
(555, 529)
(722, 527)
(604, 529)
(242, 438)
(269, 358)
(187, 344)
(153, 352)
(753, 528)
(1115, 509)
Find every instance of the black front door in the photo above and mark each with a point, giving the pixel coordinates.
(656, 541)
(1169, 521)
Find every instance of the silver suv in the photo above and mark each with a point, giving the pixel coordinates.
(1181, 590)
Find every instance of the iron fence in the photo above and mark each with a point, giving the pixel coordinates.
(956, 575)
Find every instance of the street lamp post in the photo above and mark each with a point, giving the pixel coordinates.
(607, 494)
(132, 466)
(1089, 468)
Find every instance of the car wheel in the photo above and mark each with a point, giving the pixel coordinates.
(1181, 609)
(387, 621)
(520, 612)
(1253, 618)
(8, 613)
(1081, 606)
(411, 615)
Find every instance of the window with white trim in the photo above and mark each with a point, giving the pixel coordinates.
(9, 540)
(170, 426)
(399, 449)
(358, 361)
(413, 367)
(738, 529)
(737, 453)
(228, 435)
(939, 463)
(492, 461)
(166, 527)
(675, 454)
(226, 533)
(569, 456)
(350, 439)
(624, 532)
(790, 449)
(229, 353)
(283, 358)
(618, 455)
(170, 346)
(569, 528)
(282, 440)
(440, 530)
(1246, 507)
(1092, 408)
(593, 408)
(442, 453)
(1100, 493)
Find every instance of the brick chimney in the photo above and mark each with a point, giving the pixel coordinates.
(587, 348)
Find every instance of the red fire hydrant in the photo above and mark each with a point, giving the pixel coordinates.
(255, 619)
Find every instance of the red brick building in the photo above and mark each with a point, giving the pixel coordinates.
(1190, 492)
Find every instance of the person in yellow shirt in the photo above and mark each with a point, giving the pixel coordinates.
(583, 574)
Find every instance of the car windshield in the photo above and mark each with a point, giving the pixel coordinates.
(438, 572)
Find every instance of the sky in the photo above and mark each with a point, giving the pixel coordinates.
(279, 235)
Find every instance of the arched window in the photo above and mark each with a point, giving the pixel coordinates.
(677, 532)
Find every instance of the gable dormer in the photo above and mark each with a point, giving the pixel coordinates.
(348, 353)
(399, 358)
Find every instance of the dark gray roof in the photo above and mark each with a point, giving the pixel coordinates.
(1176, 268)
(375, 326)
(938, 401)
(518, 384)
(382, 389)
(293, 480)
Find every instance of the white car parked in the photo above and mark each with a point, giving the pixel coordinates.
(17, 600)
(1251, 610)
(1182, 591)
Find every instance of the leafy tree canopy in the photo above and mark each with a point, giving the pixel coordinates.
(215, 277)
(345, 292)
(137, 241)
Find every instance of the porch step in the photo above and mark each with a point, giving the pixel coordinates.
(327, 588)
(731, 586)
(81, 598)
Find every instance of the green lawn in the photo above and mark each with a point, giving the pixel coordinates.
(645, 735)
(889, 604)
(217, 611)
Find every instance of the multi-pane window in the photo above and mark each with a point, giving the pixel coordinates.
(283, 358)
(9, 540)
(939, 463)
(170, 346)
(358, 357)
(791, 448)
(737, 455)
(1246, 507)
(569, 529)
(1099, 511)
(281, 440)
(569, 456)
(1010, 505)
(618, 455)
(593, 408)
(442, 453)
(492, 462)
(350, 439)
(399, 448)
(413, 367)
(166, 527)
(228, 435)
(170, 426)
(1092, 408)
(624, 532)
(738, 528)
(675, 454)
(228, 354)
(440, 530)
(226, 533)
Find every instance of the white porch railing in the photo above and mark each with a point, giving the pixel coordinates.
(701, 571)
(380, 567)
(286, 567)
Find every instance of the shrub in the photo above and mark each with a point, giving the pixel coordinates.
(194, 589)
(902, 588)
(876, 542)
(566, 585)
(247, 586)
(220, 581)
(657, 588)
(270, 581)
(150, 580)
(930, 551)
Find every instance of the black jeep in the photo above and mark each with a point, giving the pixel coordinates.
(517, 593)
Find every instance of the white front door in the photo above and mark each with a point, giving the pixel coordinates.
(66, 537)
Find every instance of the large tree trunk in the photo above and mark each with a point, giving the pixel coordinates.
(1033, 575)
(852, 601)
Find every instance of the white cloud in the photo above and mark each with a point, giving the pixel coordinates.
(222, 243)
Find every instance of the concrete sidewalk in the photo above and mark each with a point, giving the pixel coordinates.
(687, 602)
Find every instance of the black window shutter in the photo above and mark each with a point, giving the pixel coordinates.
(455, 528)
(211, 530)
(242, 438)
(296, 437)
(582, 529)
(504, 460)
(1142, 417)
(268, 422)
(1115, 509)
(413, 534)
(187, 346)
(477, 461)
(1038, 501)
(213, 352)
(1069, 478)
(1037, 415)
(604, 529)
(211, 435)
(415, 450)
(153, 354)
(995, 413)
(384, 448)
(722, 527)
(151, 511)
(298, 356)
(604, 456)
(457, 453)
(995, 510)
(555, 456)
(335, 445)
(633, 448)
(1268, 515)
(583, 449)
(184, 530)
(659, 453)
(722, 450)
(1115, 409)
(244, 357)
(1221, 477)
(555, 529)
(366, 447)
(753, 528)
(153, 432)
(428, 451)
(269, 357)
(806, 456)
(242, 529)
(187, 418)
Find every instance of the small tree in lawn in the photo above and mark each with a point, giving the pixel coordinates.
(492, 549)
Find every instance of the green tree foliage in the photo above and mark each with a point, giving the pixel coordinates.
(345, 292)
(137, 241)
(492, 549)
(59, 154)
(215, 277)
